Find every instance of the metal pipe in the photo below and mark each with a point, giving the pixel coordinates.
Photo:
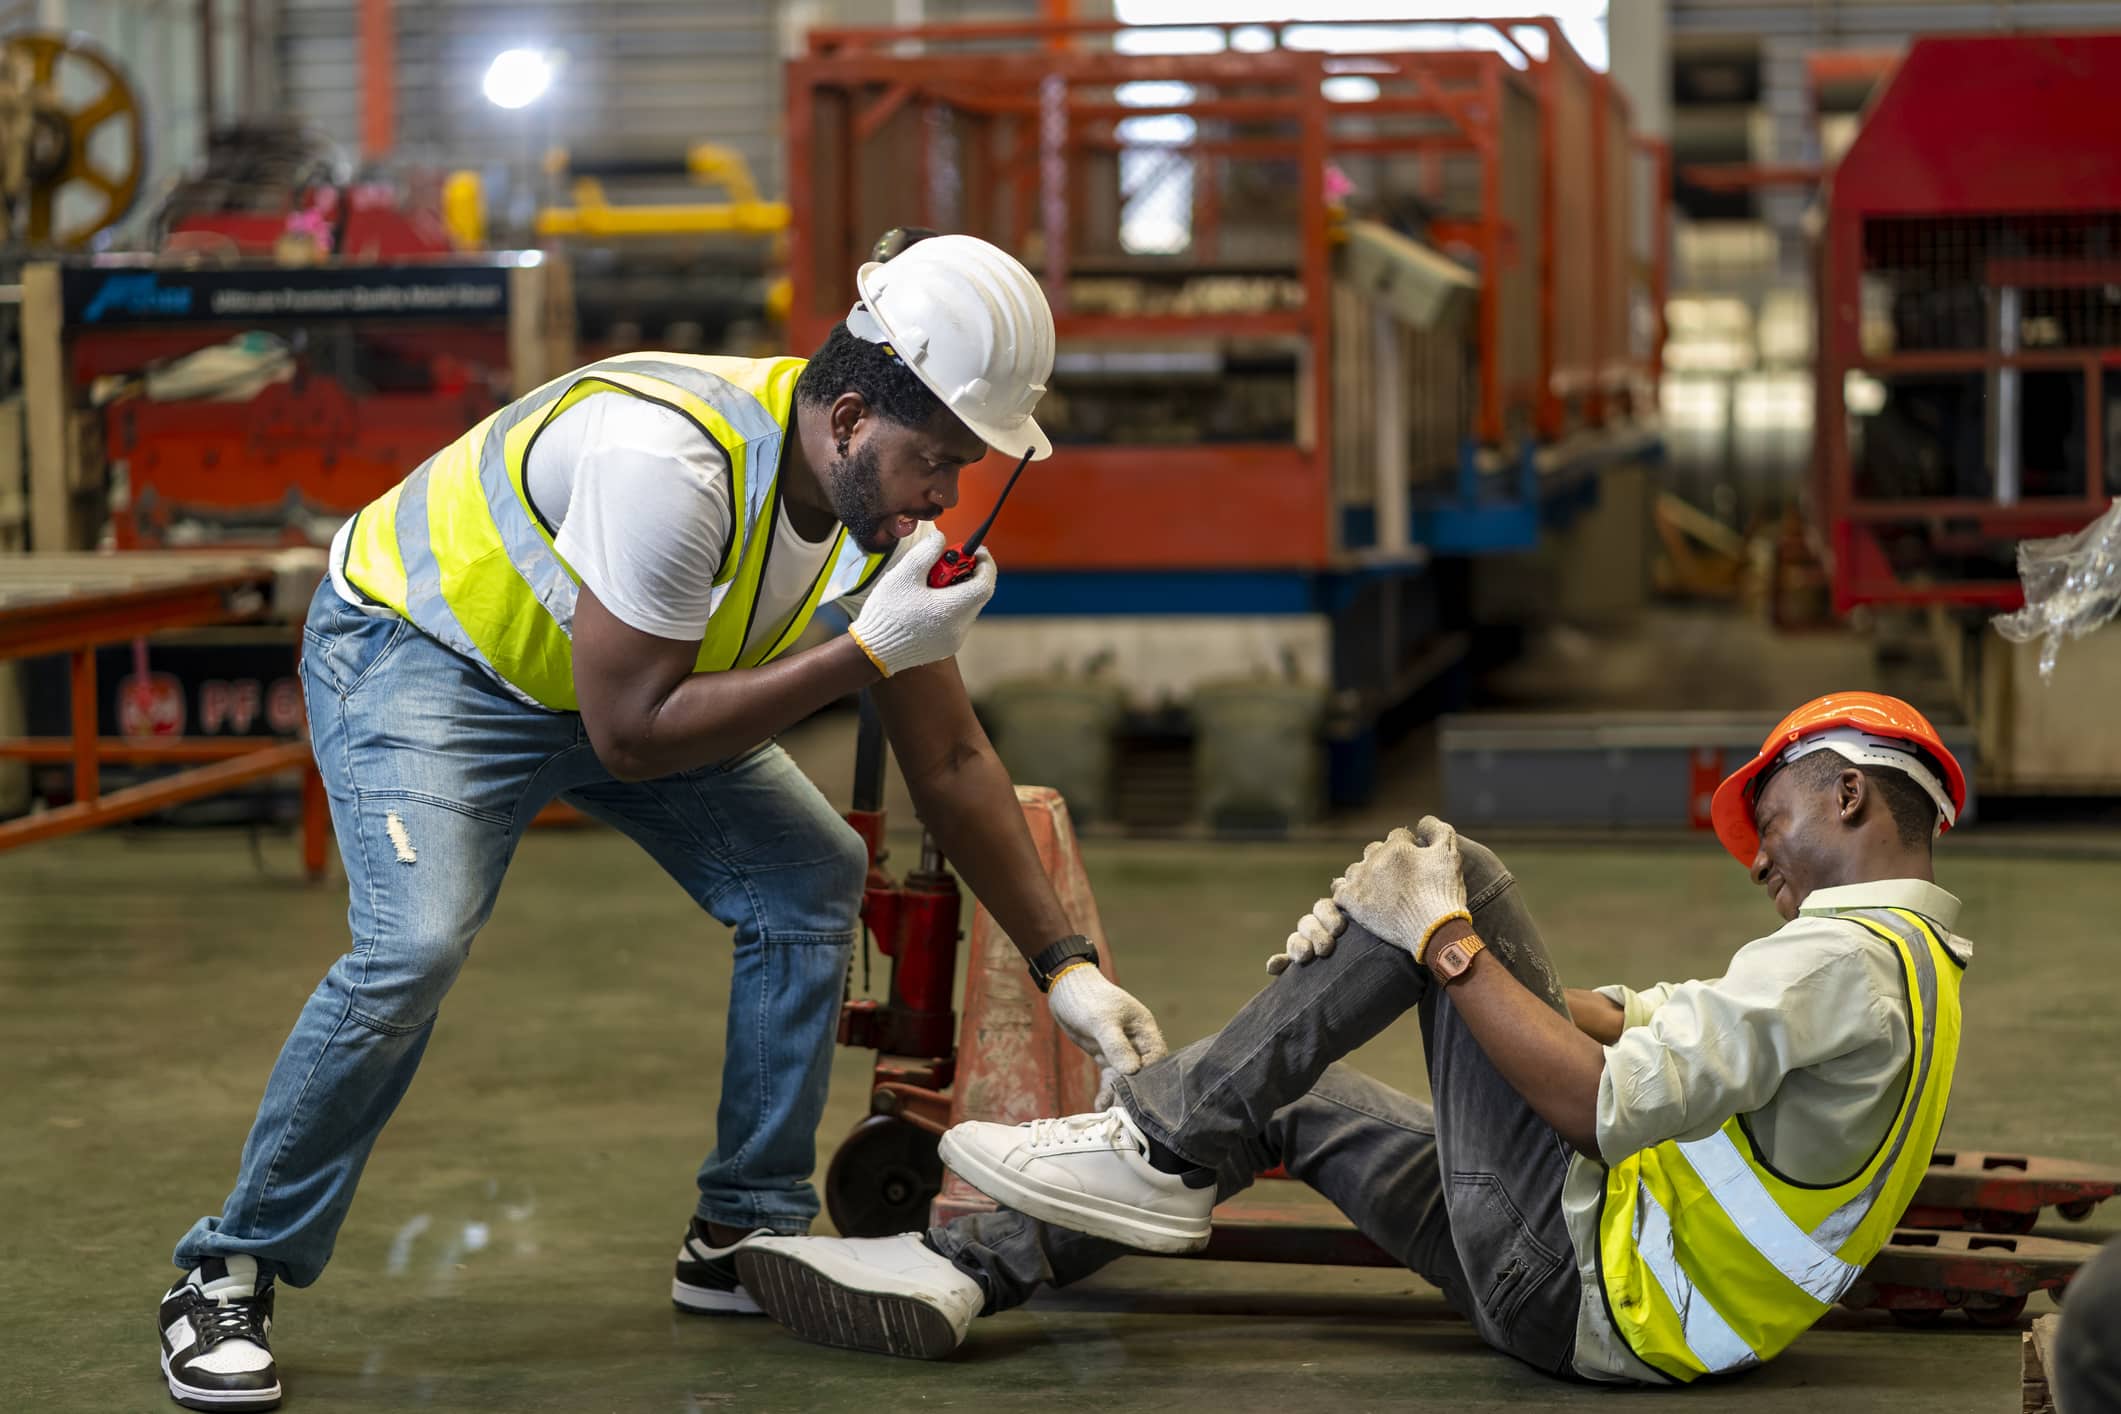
(249, 65)
(869, 758)
(378, 64)
(1394, 513)
(1053, 185)
(160, 794)
(86, 763)
(2007, 383)
(208, 77)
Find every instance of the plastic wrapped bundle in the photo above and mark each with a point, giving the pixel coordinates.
(2072, 586)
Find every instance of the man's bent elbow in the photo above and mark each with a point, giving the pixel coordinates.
(624, 754)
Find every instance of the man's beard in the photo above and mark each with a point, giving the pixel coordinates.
(857, 493)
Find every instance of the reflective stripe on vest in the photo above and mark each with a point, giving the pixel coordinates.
(1774, 1235)
(458, 548)
(1842, 1223)
(1742, 1261)
(1708, 1334)
(424, 603)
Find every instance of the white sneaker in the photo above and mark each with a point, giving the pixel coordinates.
(886, 1295)
(1087, 1173)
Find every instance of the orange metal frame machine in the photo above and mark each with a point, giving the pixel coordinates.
(75, 603)
(1968, 331)
(1011, 132)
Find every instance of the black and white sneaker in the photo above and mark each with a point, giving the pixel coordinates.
(706, 1282)
(216, 1327)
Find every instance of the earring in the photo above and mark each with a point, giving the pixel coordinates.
(843, 446)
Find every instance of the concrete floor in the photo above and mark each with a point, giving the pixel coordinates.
(511, 1246)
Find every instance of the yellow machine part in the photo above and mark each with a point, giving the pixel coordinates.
(464, 210)
(45, 138)
(740, 213)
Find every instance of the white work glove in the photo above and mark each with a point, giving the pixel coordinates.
(1316, 933)
(1106, 1021)
(1407, 885)
(904, 624)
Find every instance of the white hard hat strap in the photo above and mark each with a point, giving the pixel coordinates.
(1862, 748)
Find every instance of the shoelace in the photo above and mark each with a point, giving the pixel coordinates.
(1108, 1127)
(229, 1318)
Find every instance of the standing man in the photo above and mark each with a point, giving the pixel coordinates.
(1614, 1185)
(595, 595)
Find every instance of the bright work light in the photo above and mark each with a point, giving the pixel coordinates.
(517, 78)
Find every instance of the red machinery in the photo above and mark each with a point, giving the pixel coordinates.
(396, 343)
(885, 1174)
(1008, 1058)
(1968, 320)
(265, 184)
(1518, 163)
(288, 464)
(370, 369)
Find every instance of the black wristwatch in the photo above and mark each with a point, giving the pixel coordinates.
(1058, 958)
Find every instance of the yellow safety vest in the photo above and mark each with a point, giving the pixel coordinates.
(1711, 1261)
(458, 547)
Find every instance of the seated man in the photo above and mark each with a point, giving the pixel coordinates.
(1678, 1183)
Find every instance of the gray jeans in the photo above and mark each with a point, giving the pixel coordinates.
(1466, 1192)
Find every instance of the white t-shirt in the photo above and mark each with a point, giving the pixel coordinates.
(646, 529)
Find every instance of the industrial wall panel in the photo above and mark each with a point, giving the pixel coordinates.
(640, 75)
(653, 75)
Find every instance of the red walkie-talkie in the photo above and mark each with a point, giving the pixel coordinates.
(958, 562)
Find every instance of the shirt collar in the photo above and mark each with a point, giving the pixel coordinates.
(1915, 895)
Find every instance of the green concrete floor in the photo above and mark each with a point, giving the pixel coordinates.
(511, 1246)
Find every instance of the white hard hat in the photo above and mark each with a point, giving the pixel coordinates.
(973, 325)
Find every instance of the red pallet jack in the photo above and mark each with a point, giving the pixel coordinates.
(1963, 1244)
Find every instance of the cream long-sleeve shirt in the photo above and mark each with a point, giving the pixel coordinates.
(1807, 1035)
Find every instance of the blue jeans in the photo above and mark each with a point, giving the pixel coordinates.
(433, 772)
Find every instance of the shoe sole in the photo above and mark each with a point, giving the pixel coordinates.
(711, 1301)
(192, 1397)
(1125, 1223)
(828, 1312)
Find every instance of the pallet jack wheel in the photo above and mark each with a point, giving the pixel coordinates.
(1919, 1318)
(1992, 1220)
(2078, 1211)
(883, 1177)
(1995, 1311)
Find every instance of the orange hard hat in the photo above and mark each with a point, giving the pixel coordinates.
(1869, 729)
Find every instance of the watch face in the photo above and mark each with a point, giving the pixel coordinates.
(1455, 959)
